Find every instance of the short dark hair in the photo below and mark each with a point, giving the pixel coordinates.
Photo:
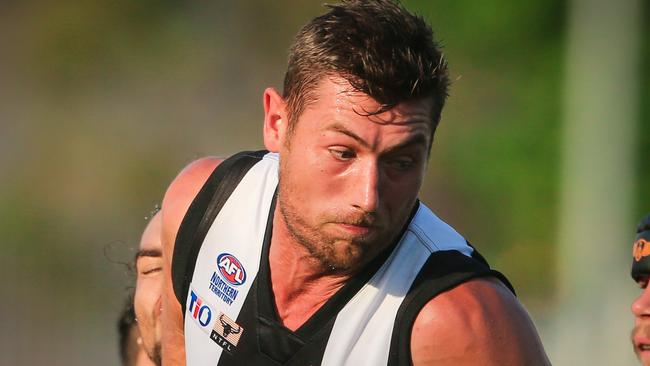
(378, 46)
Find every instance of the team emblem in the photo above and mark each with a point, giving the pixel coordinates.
(231, 269)
(229, 275)
(226, 333)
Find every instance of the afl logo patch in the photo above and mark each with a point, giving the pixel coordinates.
(231, 269)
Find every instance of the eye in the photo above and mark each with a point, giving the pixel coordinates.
(342, 153)
(147, 271)
(149, 265)
(402, 163)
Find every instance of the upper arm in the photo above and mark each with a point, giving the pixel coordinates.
(177, 200)
(479, 321)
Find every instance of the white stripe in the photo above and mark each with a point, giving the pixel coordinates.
(239, 230)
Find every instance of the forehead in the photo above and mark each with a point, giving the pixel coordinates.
(336, 100)
(151, 237)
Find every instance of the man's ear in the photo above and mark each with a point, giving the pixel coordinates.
(275, 120)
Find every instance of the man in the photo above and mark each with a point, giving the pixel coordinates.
(641, 306)
(149, 281)
(319, 252)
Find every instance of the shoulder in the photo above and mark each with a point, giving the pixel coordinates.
(182, 190)
(190, 180)
(479, 319)
(193, 175)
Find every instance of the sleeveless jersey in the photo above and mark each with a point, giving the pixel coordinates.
(221, 278)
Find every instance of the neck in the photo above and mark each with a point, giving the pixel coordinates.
(300, 283)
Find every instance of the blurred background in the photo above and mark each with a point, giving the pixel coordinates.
(541, 159)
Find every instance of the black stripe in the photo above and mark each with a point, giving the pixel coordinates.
(201, 214)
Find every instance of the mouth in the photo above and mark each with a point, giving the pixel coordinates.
(355, 229)
(642, 346)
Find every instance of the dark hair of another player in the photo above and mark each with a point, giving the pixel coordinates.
(644, 224)
(378, 46)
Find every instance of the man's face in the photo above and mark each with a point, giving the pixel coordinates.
(641, 332)
(148, 288)
(349, 180)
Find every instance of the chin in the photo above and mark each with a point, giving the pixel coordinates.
(347, 257)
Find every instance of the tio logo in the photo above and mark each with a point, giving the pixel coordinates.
(231, 269)
(200, 312)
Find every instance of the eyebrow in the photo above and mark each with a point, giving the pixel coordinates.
(337, 127)
(419, 138)
(148, 253)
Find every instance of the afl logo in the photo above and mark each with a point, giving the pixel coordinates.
(231, 269)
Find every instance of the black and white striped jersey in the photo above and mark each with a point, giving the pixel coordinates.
(221, 277)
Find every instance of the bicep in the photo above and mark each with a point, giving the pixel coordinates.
(479, 321)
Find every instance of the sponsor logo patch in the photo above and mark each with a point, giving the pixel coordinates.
(226, 333)
(231, 269)
(230, 273)
(199, 310)
(640, 249)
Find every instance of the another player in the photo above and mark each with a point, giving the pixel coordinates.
(149, 281)
(641, 306)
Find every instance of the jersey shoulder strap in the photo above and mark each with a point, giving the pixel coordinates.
(201, 214)
(442, 271)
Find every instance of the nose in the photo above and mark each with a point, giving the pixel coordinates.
(158, 306)
(366, 187)
(641, 306)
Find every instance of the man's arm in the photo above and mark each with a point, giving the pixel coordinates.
(479, 322)
(175, 204)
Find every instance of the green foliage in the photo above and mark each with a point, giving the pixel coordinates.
(502, 129)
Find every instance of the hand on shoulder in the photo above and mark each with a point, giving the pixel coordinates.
(479, 322)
